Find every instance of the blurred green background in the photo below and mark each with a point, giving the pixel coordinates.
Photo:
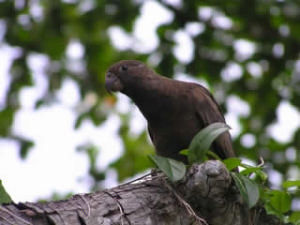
(246, 52)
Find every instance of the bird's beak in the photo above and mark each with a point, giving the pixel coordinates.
(112, 83)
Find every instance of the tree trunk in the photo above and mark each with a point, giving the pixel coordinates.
(205, 196)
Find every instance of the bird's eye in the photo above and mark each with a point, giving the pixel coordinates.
(123, 68)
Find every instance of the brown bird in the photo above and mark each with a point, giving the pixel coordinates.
(175, 110)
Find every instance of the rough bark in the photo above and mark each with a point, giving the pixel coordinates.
(207, 188)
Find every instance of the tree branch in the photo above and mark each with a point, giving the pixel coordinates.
(205, 196)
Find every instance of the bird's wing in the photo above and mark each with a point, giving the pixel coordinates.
(208, 111)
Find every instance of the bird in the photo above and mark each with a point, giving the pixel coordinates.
(175, 110)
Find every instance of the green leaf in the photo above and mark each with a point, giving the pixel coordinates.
(249, 171)
(257, 170)
(174, 169)
(291, 183)
(240, 185)
(232, 163)
(280, 201)
(295, 218)
(4, 196)
(202, 141)
(25, 147)
(248, 189)
(263, 176)
(184, 152)
(254, 169)
(213, 155)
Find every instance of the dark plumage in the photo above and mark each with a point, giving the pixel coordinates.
(176, 111)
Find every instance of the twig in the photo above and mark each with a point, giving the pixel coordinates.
(142, 179)
(262, 162)
(137, 179)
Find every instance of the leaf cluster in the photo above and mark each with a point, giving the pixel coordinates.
(250, 181)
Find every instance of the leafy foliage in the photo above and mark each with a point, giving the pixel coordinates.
(197, 152)
(232, 163)
(135, 156)
(92, 153)
(248, 189)
(4, 196)
(277, 202)
(202, 141)
(268, 75)
(175, 170)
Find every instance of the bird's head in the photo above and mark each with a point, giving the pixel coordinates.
(122, 75)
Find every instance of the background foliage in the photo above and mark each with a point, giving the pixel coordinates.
(268, 75)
